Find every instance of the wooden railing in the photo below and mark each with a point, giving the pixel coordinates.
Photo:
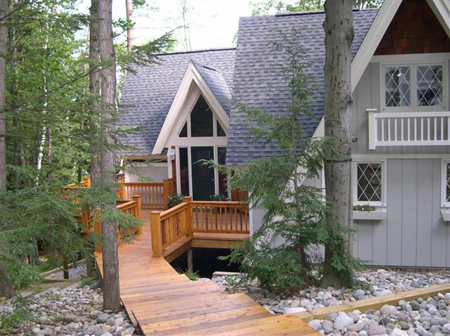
(408, 128)
(152, 194)
(170, 226)
(220, 217)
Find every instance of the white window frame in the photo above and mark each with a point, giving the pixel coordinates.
(444, 203)
(413, 61)
(178, 173)
(355, 163)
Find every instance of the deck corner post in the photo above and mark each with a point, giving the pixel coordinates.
(155, 223)
(167, 192)
(188, 200)
(137, 199)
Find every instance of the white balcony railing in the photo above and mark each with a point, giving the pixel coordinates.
(408, 128)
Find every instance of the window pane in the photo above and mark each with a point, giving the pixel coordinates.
(369, 184)
(184, 172)
(201, 119)
(222, 154)
(398, 86)
(429, 86)
(220, 131)
(183, 133)
(447, 195)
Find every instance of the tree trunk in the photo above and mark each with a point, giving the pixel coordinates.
(94, 91)
(6, 285)
(130, 29)
(111, 290)
(338, 27)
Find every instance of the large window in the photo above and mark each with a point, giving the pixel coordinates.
(414, 86)
(202, 122)
(369, 183)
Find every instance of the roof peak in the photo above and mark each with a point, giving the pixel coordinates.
(196, 51)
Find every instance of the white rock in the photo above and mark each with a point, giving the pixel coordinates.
(398, 332)
(316, 324)
(294, 310)
(342, 321)
(388, 310)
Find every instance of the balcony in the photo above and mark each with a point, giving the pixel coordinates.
(408, 128)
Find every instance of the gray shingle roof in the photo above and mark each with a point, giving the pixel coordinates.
(258, 77)
(148, 94)
(218, 85)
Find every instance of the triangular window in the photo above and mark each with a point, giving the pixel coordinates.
(220, 131)
(201, 119)
(183, 133)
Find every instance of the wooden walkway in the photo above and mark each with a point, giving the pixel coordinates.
(163, 302)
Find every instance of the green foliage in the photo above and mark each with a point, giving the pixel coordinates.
(175, 199)
(193, 276)
(280, 255)
(85, 282)
(367, 208)
(288, 6)
(220, 198)
(17, 318)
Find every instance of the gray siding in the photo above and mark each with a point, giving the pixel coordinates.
(413, 233)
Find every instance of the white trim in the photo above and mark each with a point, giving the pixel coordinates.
(373, 39)
(191, 77)
(354, 175)
(441, 8)
(411, 58)
(444, 202)
(319, 133)
(378, 214)
(373, 157)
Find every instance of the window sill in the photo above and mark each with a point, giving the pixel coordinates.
(445, 212)
(378, 214)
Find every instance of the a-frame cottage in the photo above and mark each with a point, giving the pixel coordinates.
(400, 120)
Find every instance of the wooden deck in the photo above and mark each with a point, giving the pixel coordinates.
(163, 302)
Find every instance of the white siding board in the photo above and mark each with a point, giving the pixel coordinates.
(439, 232)
(408, 223)
(424, 213)
(394, 218)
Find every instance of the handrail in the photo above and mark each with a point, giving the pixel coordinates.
(153, 194)
(181, 221)
(430, 128)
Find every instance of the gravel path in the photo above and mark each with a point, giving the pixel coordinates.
(380, 282)
(70, 311)
(421, 317)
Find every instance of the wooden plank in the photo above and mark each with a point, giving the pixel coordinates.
(375, 303)
(163, 302)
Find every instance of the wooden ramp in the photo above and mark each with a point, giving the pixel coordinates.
(163, 302)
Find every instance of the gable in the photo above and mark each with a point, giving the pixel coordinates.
(414, 29)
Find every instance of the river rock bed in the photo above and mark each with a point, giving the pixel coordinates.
(421, 317)
(70, 311)
(75, 273)
(378, 283)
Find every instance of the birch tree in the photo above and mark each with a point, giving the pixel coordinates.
(111, 290)
(338, 27)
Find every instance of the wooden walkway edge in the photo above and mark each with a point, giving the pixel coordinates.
(375, 303)
(162, 302)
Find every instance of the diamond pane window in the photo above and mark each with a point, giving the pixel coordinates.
(369, 182)
(398, 86)
(447, 183)
(429, 85)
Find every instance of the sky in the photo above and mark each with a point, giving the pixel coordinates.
(214, 22)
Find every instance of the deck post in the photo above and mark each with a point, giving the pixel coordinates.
(155, 223)
(167, 191)
(190, 261)
(137, 199)
(187, 199)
